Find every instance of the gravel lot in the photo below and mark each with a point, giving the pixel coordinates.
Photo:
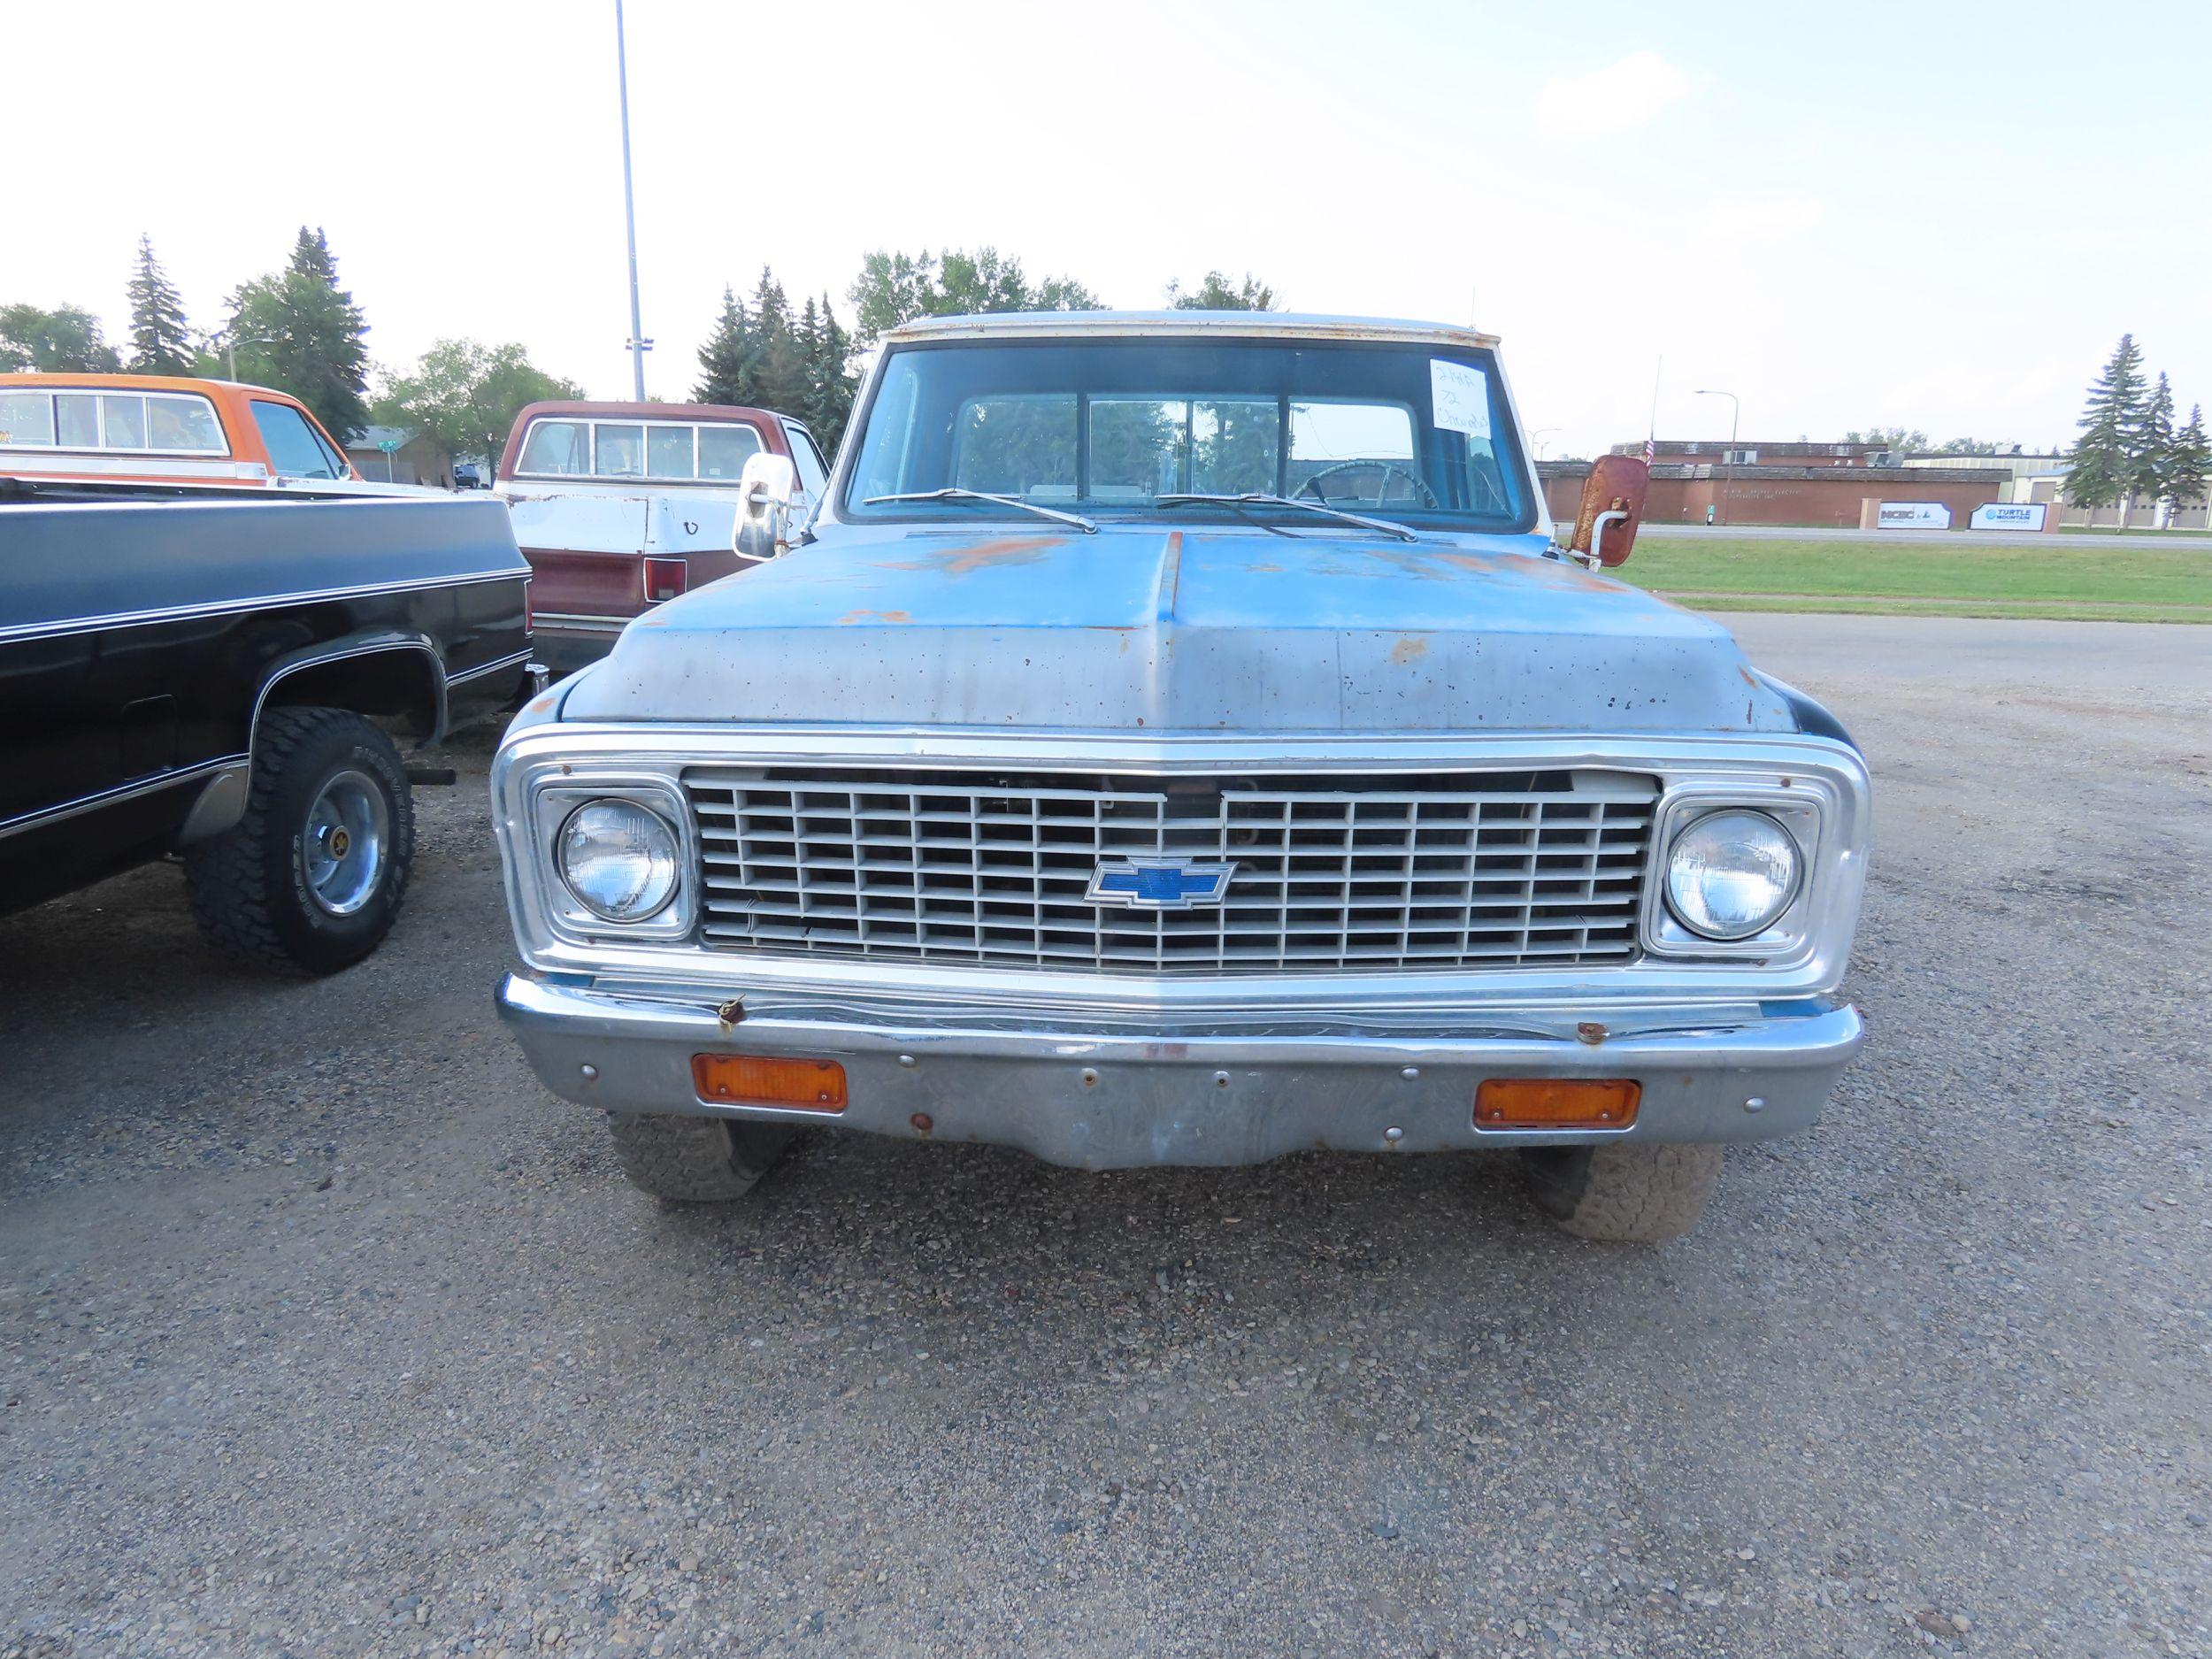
(323, 1331)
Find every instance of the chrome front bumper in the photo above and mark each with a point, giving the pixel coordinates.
(1229, 1092)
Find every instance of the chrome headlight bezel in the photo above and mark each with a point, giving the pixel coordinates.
(1800, 808)
(555, 801)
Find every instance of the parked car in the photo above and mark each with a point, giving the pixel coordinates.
(214, 677)
(619, 507)
(1185, 738)
(156, 429)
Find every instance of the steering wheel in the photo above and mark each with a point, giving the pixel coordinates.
(1428, 496)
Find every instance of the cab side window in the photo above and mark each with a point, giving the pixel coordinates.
(294, 450)
(806, 458)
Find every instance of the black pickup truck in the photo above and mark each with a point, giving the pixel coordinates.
(219, 678)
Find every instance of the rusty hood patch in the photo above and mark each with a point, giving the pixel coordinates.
(1150, 629)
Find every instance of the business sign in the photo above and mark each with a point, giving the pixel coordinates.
(1914, 515)
(2008, 515)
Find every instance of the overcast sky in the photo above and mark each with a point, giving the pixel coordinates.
(1933, 214)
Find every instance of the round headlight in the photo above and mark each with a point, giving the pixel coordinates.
(619, 859)
(1732, 874)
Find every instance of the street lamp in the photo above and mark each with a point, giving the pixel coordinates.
(638, 345)
(1728, 461)
(230, 346)
(1536, 434)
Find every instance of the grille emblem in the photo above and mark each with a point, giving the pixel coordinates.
(1158, 883)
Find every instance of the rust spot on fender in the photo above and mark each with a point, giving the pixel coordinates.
(1264, 570)
(875, 615)
(1411, 649)
(1006, 550)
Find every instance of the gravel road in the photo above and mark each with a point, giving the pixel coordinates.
(323, 1331)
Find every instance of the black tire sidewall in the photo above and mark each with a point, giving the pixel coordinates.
(1557, 1177)
(310, 934)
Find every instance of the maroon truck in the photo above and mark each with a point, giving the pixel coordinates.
(619, 506)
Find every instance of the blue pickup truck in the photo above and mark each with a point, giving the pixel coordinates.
(1186, 738)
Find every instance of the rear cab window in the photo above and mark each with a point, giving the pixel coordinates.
(652, 451)
(167, 423)
(724, 448)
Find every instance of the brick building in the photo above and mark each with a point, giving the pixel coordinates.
(1720, 452)
(1824, 489)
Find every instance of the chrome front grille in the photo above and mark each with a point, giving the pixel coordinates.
(1360, 872)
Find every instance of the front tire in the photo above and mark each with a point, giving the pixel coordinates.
(312, 876)
(689, 1159)
(1622, 1192)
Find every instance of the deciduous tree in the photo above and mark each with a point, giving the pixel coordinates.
(67, 340)
(1902, 439)
(896, 287)
(1218, 293)
(464, 396)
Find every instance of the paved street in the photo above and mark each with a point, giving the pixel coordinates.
(323, 1331)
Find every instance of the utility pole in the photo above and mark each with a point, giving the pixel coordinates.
(1728, 463)
(638, 345)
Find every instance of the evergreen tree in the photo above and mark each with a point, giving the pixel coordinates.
(2102, 468)
(160, 341)
(829, 382)
(298, 331)
(722, 360)
(776, 371)
(2152, 448)
(2188, 462)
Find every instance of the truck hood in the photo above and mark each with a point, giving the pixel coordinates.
(1178, 630)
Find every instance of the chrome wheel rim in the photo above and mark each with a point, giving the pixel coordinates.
(343, 853)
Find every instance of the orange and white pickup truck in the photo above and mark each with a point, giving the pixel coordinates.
(163, 429)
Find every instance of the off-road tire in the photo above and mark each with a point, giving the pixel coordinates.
(248, 889)
(687, 1160)
(1623, 1193)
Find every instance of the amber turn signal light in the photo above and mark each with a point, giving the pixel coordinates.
(1551, 1102)
(750, 1079)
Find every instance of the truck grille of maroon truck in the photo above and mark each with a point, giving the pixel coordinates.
(1360, 872)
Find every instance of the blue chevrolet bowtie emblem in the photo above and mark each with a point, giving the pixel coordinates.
(1159, 884)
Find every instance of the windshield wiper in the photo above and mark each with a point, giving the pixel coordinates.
(1386, 525)
(951, 494)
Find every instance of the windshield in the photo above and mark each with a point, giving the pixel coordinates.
(1109, 426)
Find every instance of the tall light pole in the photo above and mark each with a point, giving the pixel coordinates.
(230, 347)
(1728, 461)
(638, 344)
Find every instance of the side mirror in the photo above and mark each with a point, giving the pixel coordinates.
(764, 490)
(1612, 507)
